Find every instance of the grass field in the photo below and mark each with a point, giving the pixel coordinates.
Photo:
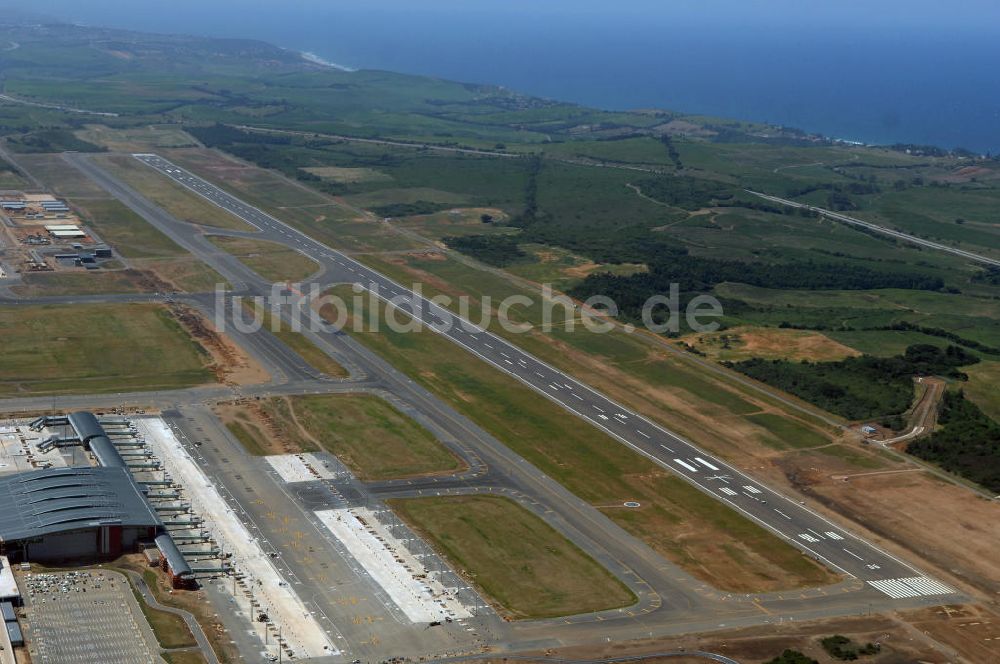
(170, 629)
(374, 439)
(523, 566)
(129, 233)
(184, 657)
(186, 273)
(787, 433)
(983, 387)
(457, 221)
(59, 176)
(136, 139)
(252, 437)
(273, 261)
(82, 283)
(714, 544)
(96, 348)
(10, 179)
(172, 197)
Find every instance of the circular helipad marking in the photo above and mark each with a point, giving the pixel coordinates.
(631, 503)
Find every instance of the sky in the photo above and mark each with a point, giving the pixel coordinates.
(978, 15)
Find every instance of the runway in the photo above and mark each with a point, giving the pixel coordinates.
(790, 519)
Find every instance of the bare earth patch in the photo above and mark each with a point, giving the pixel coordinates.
(937, 635)
(230, 363)
(771, 343)
(348, 175)
(945, 525)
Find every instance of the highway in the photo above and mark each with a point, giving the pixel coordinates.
(837, 216)
(804, 528)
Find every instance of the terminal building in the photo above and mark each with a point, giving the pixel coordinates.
(67, 513)
(80, 512)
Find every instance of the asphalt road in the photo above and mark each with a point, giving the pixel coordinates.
(838, 216)
(790, 519)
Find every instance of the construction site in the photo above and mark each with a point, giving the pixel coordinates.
(89, 489)
(42, 234)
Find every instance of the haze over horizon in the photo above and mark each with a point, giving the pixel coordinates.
(914, 72)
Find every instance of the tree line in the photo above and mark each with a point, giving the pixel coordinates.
(967, 442)
(860, 388)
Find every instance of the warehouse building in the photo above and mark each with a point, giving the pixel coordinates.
(65, 231)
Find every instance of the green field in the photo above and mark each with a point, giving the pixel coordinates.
(170, 629)
(35, 284)
(523, 566)
(172, 197)
(675, 518)
(131, 235)
(271, 260)
(787, 433)
(136, 139)
(983, 387)
(374, 439)
(96, 348)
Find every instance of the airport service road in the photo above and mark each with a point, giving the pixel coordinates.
(805, 529)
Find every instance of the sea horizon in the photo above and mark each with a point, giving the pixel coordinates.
(913, 84)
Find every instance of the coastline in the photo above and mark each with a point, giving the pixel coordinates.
(316, 60)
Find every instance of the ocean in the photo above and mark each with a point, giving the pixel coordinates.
(886, 83)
